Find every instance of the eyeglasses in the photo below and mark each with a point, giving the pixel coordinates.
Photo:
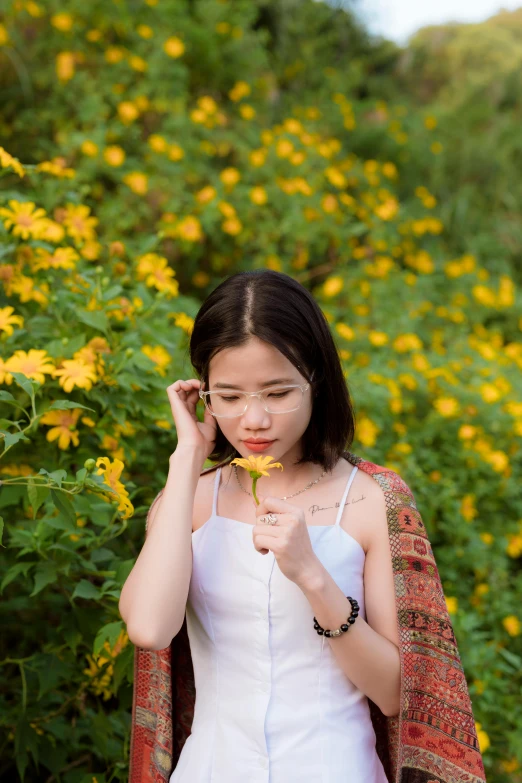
(276, 399)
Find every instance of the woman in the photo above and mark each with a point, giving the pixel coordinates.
(317, 645)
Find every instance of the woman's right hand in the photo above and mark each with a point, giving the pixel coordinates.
(201, 435)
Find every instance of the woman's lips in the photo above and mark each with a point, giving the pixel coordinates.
(258, 446)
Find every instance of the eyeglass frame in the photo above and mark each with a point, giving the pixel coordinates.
(302, 386)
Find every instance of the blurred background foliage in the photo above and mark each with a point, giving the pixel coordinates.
(149, 149)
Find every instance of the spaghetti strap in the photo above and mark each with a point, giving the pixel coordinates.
(345, 494)
(216, 487)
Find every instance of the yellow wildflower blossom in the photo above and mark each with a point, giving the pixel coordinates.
(111, 472)
(23, 218)
(35, 364)
(79, 223)
(114, 155)
(64, 429)
(159, 355)
(65, 66)
(230, 176)
(512, 625)
(258, 195)
(452, 604)
(75, 373)
(137, 181)
(7, 319)
(174, 47)
(333, 286)
(239, 90)
(7, 160)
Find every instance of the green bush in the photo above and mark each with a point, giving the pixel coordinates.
(138, 171)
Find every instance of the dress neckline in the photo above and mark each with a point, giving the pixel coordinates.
(313, 527)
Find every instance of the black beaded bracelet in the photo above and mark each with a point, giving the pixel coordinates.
(345, 626)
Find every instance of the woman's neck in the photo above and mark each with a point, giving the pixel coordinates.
(283, 485)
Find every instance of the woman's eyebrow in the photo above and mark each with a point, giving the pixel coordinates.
(268, 383)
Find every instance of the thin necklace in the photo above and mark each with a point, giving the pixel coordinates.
(286, 496)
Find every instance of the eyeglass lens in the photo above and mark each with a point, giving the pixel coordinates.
(280, 399)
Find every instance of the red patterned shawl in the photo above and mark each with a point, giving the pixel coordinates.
(432, 740)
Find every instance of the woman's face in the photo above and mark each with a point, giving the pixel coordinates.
(250, 368)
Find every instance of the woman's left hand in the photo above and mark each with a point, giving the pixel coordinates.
(288, 539)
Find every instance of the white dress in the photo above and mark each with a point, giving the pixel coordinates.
(272, 703)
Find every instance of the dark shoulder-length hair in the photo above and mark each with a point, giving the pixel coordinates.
(277, 309)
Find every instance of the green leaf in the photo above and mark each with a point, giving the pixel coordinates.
(85, 589)
(27, 384)
(46, 574)
(111, 292)
(10, 438)
(107, 633)
(64, 505)
(6, 423)
(1, 531)
(97, 320)
(58, 476)
(7, 396)
(62, 405)
(14, 571)
(21, 740)
(80, 474)
(37, 494)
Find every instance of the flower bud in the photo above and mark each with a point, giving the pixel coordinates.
(89, 465)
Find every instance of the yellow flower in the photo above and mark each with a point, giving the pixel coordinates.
(127, 112)
(62, 22)
(75, 373)
(137, 181)
(7, 161)
(114, 54)
(174, 47)
(232, 226)
(111, 472)
(482, 737)
(230, 176)
(447, 406)
(256, 467)
(452, 604)
(332, 286)
(4, 35)
(79, 223)
(512, 625)
(65, 66)
(377, 338)
(138, 63)
(157, 143)
(189, 228)
(154, 269)
(61, 258)
(247, 112)
(467, 507)
(7, 320)
(258, 195)
(89, 148)
(367, 431)
(257, 157)
(114, 155)
(33, 364)
(65, 426)
(388, 209)
(175, 152)
(145, 31)
(22, 216)
(159, 355)
(206, 194)
(238, 91)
